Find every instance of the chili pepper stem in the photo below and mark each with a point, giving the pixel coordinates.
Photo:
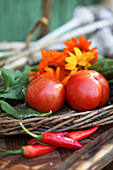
(41, 142)
(39, 137)
(6, 152)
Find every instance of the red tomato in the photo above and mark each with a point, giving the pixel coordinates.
(45, 94)
(86, 90)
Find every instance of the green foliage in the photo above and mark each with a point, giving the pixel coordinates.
(14, 82)
(105, 67)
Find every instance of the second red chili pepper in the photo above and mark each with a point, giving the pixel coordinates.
(78, 135)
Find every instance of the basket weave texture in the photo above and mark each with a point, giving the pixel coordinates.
(66, 119)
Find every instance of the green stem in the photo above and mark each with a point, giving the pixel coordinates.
(46, 114)
(41, 142)
(39, 137)
(6, 152)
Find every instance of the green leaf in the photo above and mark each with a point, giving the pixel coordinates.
(14, 93)
(14, 82)
(8, 108)
(24, 76)
(31, 113)
(105, 67)
(21, 113)
(9, 77)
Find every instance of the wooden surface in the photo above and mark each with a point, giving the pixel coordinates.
(96, 154)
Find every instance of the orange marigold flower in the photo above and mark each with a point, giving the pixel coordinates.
(60, 74)
(51, 58)
(83, 44)
(49, 66)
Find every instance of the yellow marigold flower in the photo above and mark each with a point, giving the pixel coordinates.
(82, 43)
(78, 61)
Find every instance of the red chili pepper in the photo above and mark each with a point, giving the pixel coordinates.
(78, 135)
(60, 141)
(30, 151)
(34, 141)
(55, 140)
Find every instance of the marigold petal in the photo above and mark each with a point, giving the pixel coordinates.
(42, 64)
(57, 73)
(32, 72)
(73, 71)
(43, 52)
(82, 63)
(78, 53)
(93, 49)
(88, 54)
(70, 66)
(65, 80)
(63, 73)
(50, 72)
(72, 59)
(87, 66)
(91, 58)
(84, 43)
(96, 56)
(32, 78)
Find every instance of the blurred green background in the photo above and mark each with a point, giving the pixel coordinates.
(17, 17)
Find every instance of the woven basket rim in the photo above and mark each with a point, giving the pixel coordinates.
(65, 120)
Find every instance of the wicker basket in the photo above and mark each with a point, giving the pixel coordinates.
(64, 120)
